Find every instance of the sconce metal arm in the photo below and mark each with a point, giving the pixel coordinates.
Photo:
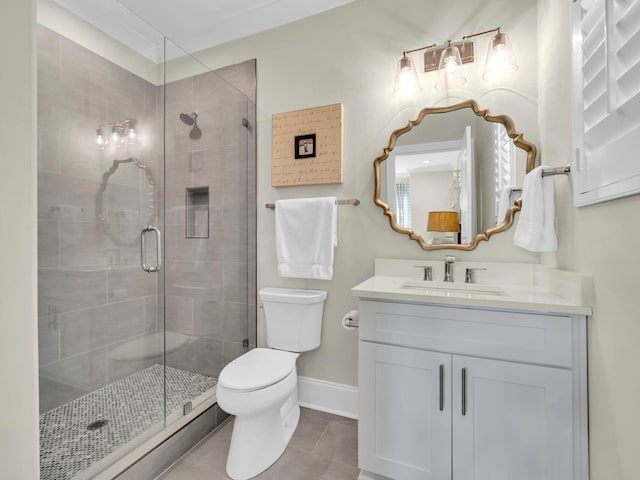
(418, 49)
(497, 29)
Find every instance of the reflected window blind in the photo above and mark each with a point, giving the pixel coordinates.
(403, 199)
(606, 65)
(504, 157)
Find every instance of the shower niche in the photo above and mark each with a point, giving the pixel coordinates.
(197, 221)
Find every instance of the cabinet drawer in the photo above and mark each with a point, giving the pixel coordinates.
(525, 337)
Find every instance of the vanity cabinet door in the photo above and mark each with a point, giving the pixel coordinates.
(405, 411)
(511, 421)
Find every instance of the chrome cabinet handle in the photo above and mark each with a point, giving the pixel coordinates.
(441, 387)
(143, 249)
(464, 391)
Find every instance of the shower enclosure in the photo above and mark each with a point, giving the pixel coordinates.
(146, 260)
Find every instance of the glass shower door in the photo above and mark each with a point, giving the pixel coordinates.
(209, 212)
(146, 223)
(100, 322)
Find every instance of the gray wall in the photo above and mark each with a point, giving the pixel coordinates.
(92, 293)
(210, 282)
(94, 299)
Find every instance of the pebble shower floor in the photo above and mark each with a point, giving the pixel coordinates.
(79, 433)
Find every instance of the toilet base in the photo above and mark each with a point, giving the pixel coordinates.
(256, 443)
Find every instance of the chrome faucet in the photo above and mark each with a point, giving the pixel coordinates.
(449, 260)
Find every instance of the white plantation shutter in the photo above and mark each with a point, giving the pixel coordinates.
(606, 80)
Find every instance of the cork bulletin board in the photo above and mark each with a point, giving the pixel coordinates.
(307, 147)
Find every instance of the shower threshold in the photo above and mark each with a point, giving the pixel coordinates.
(78, 434)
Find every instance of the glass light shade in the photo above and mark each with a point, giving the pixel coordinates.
(116, 134)
(500, 58)
(450, 69)
(406, 78)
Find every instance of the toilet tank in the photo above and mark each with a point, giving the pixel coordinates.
(293, 318)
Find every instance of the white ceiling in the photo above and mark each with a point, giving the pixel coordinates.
(422, 162)
(192, 25)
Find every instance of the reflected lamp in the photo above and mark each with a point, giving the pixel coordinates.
(444, 226)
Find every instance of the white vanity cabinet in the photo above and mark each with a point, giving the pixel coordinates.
(465, 393)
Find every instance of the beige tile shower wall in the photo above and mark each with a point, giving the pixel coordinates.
(53, 16)
(93, 296)
(208, 291)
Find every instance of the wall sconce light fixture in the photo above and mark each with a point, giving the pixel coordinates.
(121, 131)
(448, 61)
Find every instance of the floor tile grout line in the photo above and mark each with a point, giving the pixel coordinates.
(63, 430)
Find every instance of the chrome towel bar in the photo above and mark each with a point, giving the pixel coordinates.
(349, 201)
(557, 171)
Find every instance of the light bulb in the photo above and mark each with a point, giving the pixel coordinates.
(132, 136)
(450, 64)
(101, 141)
(450, 69)
(116, 134)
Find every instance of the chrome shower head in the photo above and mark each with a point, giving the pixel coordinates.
(195, 132)
(188, 118)
(191, 119)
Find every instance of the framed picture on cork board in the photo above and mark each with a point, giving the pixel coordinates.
(307, 146)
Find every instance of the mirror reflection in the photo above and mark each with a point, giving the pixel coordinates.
(125, 201)
(451, 177)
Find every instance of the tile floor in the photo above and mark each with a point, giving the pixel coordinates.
(125, 409)
(324, 447)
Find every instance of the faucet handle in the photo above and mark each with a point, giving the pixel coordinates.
(428, 272)
(449, 259)
(469, 274)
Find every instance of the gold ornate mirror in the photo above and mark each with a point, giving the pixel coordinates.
(453, 166)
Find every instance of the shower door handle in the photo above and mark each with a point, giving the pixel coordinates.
(143, 249)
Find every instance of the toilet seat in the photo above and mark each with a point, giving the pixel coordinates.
(259, 368)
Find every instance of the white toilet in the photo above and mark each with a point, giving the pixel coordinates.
(260, 387)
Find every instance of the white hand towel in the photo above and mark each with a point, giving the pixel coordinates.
(503, 204)
(536, 230)
(306, 233)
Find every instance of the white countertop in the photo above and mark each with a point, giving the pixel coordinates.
(529, 287)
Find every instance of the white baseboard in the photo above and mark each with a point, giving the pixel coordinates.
(329, 397)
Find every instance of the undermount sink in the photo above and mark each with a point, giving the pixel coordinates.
(456, 288)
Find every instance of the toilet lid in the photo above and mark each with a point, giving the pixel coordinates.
(258, 368)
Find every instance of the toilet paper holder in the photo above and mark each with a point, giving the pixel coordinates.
(351, 320)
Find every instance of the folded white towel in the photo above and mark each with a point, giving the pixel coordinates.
(503, 204)
(536, 230)
(306, 233)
